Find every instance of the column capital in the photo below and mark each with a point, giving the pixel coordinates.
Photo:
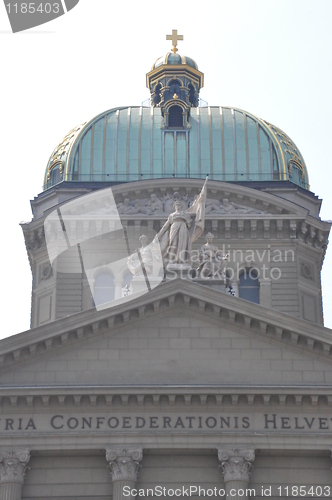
(13, 464)
(236, 463)
(124, 462)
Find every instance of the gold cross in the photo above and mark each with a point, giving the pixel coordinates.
(174, 37)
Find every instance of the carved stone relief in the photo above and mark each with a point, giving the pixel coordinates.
(165, 205)
(46, 271)
(306, 271)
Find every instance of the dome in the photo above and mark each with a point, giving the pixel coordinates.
(132, 143)
(174, 59)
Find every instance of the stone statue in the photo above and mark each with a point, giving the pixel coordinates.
(141, 259)
(126, 291)
(132, 207)
(170, 200)
(126, 208)
(229, 207)
(140, 207)
(213, 206)
(181, 229)
(212, 261)
(155, 206)
(107, 209)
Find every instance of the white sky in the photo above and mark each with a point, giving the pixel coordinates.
(269, 57)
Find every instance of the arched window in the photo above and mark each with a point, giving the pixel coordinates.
(175, 117)
(55, 175)
(103, 288)
(157, 96)
(174, 87)
(192, 98)
(295, 174)
(249, 286)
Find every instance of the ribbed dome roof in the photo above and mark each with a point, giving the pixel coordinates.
(130, 144)
(174, 59)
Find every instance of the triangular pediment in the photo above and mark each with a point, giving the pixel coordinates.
(180, 333)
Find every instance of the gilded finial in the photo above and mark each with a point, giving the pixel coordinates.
(174, 37)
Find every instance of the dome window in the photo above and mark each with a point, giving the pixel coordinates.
(175, 117)
(55, 175)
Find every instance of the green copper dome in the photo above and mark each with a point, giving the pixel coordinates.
(132, 144)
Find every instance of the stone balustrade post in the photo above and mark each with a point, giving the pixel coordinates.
(235, 467)
(13, 465)
(124, 464)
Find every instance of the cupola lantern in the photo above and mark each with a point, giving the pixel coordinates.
(174, 82)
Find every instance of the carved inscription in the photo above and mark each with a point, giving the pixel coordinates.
(117, 422)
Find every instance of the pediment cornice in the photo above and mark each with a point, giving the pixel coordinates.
(168, 298)
(175, 396)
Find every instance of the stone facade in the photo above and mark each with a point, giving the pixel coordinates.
(188, 385)
(158, 393)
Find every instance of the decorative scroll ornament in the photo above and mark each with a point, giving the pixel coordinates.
(13, 465)
(61, 151)
(124, 463)
(290, 148)
(236, 464)
(46, 272)
(306, 271)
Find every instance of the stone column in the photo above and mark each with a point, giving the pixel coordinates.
(13, 465)
(235, 467)
(124, 464)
